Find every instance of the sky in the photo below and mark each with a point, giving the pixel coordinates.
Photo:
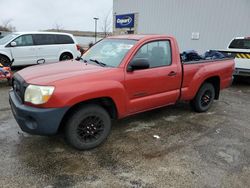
(34, 15)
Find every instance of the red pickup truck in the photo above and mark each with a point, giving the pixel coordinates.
(117, 77)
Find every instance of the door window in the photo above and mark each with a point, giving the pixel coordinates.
(24, 40)
(158, 53)
(44, 39)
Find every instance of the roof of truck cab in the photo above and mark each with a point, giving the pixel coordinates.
(137, 37)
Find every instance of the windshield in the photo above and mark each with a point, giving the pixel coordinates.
(240, 44)
(7, 38)
(109, 52)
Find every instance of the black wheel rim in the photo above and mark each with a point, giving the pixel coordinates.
(90, 129)
(66, 57)
(206, 98)
(4, 61)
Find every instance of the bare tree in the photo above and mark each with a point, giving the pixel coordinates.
(58, 27)
(7, 26)
(107, 23)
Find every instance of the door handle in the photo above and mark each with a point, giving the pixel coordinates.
(172, 73)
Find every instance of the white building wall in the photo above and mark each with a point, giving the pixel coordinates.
(217, 21)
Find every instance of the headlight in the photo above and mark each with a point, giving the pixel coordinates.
(38, 94)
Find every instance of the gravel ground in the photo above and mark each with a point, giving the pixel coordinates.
(167, 147)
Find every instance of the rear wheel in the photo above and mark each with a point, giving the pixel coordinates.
(88, 127)
(204, 98)
(66, 56)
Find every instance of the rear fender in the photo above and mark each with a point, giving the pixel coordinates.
(189, 92)
(74, 53)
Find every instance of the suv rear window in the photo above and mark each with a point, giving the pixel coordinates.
(240, 44)
(64, 39)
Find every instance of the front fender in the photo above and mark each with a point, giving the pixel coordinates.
(6, 54)
(80, 92)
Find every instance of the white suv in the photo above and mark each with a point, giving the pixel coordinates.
(240, 46)
(27, 48)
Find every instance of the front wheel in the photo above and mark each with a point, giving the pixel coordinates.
(4, 61)
(204, 98)
(88, 127)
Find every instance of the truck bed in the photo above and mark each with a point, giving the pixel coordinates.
(206, 61)
(196, 72)
(242, 60)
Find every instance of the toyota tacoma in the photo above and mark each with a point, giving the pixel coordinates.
(117, 77)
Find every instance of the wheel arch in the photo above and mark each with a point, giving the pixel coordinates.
(106, 102)
(215, 81)
(66, 52)
(5, 55)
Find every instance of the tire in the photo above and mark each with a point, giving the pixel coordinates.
(65, 57)
(4, 61)
(88, 127)
(204, 98)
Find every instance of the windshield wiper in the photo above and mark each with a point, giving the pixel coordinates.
(80, 58)
(98, 62)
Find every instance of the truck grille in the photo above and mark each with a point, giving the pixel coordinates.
(19, 86)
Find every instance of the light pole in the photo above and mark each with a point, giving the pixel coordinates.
(96, 27)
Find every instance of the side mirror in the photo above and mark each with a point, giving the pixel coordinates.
(138, 64)
(13, 44)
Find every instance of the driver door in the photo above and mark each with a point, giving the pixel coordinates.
(24, 52)
(157, 85)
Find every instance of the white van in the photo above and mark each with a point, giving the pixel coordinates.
(27, 48)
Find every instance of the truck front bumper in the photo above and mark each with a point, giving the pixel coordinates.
(39, 121)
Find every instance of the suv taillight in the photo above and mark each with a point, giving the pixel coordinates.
(78, 47)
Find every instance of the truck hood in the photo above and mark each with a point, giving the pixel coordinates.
(49, 73)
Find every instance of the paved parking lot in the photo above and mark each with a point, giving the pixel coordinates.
(193, 150)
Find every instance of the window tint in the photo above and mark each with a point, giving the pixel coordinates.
(49, 39)
(24, 40)
(44, 39)
(158, 53)
(64, 39)
(240, 43)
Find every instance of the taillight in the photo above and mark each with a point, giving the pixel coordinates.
(78, 47)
